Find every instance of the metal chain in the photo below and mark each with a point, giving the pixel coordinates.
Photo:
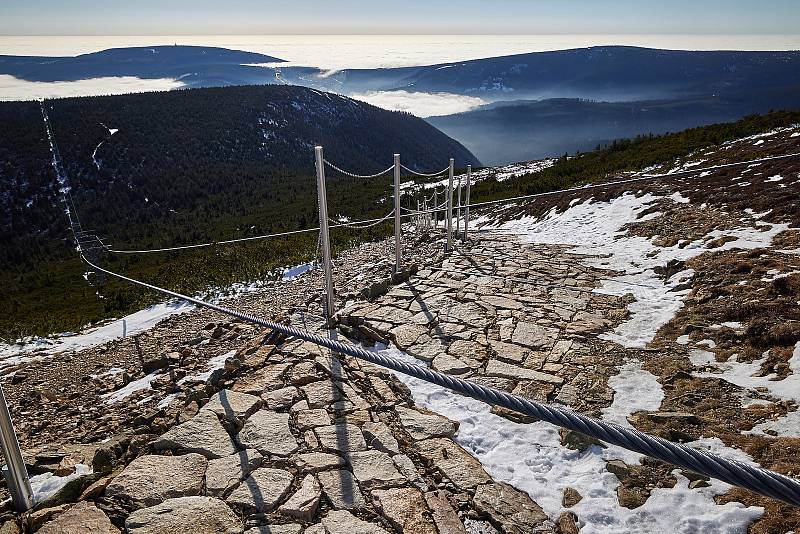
(353, 175)
(412, 171)
(754, 478)
(356, 226)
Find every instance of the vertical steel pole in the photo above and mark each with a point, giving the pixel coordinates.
(322, 198)
(466, 208)
(419, 218)
(450, 208)
(426, 215)
(14, 471)
(436, 208)
(458, 207)
(398, 248)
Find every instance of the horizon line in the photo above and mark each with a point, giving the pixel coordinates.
(372, 34)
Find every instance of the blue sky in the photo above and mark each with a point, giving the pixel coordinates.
(198, 17)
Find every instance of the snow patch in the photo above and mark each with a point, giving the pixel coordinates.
(595, 229)
(743, 374)
(46, 485)
(215, 363)
(531, 458)
(143, 383)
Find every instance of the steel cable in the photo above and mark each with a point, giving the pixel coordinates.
(239, 240)
(754, 478)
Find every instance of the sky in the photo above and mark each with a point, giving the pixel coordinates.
(271, 17)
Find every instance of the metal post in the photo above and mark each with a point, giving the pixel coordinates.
(466, 208)
(322, 198)
(436, 208)
(458, 212)
(426, 215)
(14, 471)
(450, 208)
(398, 250)
(419, 219)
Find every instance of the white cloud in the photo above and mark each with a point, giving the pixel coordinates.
(12, 88)
(420, 104)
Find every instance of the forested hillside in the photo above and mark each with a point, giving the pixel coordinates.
(174, 168)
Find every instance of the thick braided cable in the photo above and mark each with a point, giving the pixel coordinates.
(733, 472)
(412, 171)
(353, 175)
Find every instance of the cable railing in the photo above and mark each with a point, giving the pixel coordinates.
(423, 174)
(753, 478)
(747, 476)
(354, 175)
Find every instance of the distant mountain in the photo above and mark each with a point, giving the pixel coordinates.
(194, 65)
(611, 73)
(512, 131)
(632, 90)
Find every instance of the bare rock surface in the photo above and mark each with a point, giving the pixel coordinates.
(269, 433)
(203, 434)
(185, 515)
(81, 518)
(511, 508)
(224, 474)
(304, 503)
(406, 509)
(343, 522)
(262, 490)
(343, 438)
(375, 469)
(455, 463)
(149, 480)
(443, 513)
(233, 405)
(341, 489)
(291, 528)
(425, 425)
